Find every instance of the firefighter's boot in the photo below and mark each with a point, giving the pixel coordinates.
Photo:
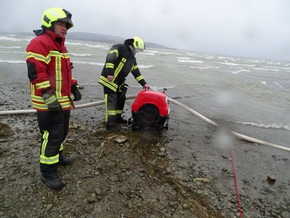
(49, 176)
(112, 128)
(65, 161)
(52, 181)
(121, 119)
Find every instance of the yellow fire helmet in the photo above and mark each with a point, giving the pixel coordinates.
(56, 14)
(138, 43)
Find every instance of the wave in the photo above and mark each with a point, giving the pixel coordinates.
(203, 67)
(280, 68)
(145, 66)
(265, 69)
(266, 126)
(164, 52)
(187, 60)
(87, 45)
(102, 64)
(10, 47)
(239, 71)
(275, 83)
(263, 82)
(13, 52)
(75, 62)
(154, 88)
(89, 63)
(148, 53)
(6, 38)
(13, 61)
(80, 55)
(229, 63)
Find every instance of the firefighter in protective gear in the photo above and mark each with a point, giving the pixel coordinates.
(120, 61)
(51, 84)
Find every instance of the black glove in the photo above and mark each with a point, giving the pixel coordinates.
(76, 92)
(51, 100)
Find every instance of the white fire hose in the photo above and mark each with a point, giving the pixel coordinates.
(91, 104)
(241, 136)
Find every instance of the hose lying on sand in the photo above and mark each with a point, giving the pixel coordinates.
(241, 136)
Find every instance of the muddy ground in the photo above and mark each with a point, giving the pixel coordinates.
(180, 172)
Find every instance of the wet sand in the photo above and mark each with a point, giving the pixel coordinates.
(181, 172)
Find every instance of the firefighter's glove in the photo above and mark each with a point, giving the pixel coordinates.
(76, 92)
(51, 101)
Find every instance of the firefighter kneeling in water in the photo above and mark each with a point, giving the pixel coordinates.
(120, 61)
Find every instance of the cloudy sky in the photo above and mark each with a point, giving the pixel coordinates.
(244, 28)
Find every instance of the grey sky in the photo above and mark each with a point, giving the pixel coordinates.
(246, 28)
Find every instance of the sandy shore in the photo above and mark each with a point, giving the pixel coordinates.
(181, 172)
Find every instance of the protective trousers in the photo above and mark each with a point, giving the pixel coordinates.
(53, 128)
(114, 103)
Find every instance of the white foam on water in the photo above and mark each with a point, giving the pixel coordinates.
(148, 53)
(10, 47)
(265, 69)
(13, 61)
(187, 60)
(80, 55)
(103, 46)
(266, 125)
(145, 66)
(229, 63)
(6, 38)
(203, 67)
(89, 63)
(276, 83)
(164, 52)
(239, 71)
(13, 52)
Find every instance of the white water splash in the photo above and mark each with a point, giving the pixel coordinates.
(13, 61)
(276, 83)
(80, 55)
(239, 71)
(267, 126)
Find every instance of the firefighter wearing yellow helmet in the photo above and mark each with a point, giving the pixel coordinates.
(138, 43)
(56, 14)
(120, 61)
(51, 84)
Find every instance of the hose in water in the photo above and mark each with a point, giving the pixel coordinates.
(91, 104)
(241, 136)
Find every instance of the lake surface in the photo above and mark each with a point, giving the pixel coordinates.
(250, 95)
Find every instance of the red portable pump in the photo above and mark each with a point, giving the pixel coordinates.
(150, 109)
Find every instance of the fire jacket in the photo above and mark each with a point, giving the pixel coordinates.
(49, 66)
(120, 61)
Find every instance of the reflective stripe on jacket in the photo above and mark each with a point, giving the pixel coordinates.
(120, 61)
(49, 66)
